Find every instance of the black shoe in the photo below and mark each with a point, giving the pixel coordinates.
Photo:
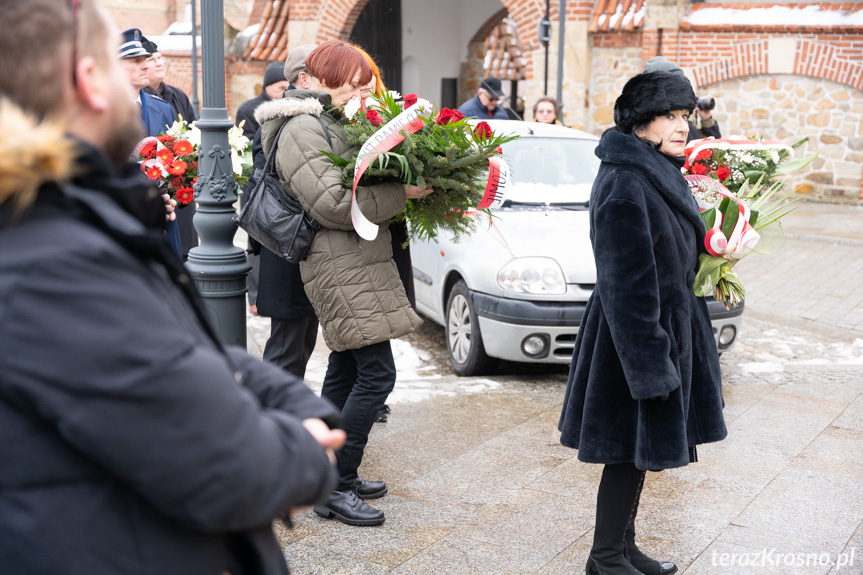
(370, 489)
(381, 417)
(614, 566)
(648, 565)
(385, 409)
(347, 507)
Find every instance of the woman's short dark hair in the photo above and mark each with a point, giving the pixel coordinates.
(553, 103)
(335, 63)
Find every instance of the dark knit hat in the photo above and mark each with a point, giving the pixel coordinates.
(649, 95)
(275, 73)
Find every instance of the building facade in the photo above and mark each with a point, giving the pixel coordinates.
(777, 70)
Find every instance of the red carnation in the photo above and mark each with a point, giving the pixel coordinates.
(149, 149)
(184, 195)
(183, 148)
(177, 182)
(374, 118)
(410, 100)
(165, 138)
(444, 117)
(703, 155)
(483, 131)
(165, 155)
(699, 169)
(722, 172)
(153, 172)
(499, 150)
(194, 166)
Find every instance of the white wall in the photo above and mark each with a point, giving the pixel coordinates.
(434, 41)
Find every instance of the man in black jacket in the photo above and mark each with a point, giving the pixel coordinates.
(131, 440)
(281, 296)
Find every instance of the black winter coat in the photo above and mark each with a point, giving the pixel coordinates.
(131, 441)
(644, 332)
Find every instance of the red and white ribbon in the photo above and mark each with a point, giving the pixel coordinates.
(384, 140)
(743, 238)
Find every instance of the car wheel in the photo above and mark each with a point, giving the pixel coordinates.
(463, 338)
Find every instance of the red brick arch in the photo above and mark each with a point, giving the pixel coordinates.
(812, 58)
(337, 17)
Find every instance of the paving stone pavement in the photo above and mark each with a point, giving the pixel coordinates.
(479, 484)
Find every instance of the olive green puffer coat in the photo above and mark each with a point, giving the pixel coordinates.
(352, 283)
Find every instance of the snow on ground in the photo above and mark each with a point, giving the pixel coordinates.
(763, 350)
(412, 384)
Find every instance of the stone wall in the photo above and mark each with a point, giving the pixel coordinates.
(612, 64)
(789, 107)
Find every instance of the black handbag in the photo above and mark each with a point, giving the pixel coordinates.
(273, 218)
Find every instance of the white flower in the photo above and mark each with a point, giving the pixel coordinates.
(236, 139)
(352, 107)
(193, 135)
(395, 94)
(775, 157)
(177, 129)
(237, 162)
(748, 158)
(426, 106)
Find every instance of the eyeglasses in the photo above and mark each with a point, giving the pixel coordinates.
(73, 8)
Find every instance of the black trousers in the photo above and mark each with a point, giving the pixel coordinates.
(291, 343)
(358, 382)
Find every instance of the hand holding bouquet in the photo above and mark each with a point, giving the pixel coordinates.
(416, 143)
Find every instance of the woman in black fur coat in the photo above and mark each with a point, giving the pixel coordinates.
(644, 386)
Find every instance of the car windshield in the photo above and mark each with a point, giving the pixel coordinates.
(550, 170)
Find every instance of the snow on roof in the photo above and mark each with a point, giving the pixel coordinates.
(174, 43)
(807, 15)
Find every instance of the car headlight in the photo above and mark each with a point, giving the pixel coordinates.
(541, 276)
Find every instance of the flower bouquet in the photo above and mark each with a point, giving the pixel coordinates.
(414, 142)
(172, 159)
(737, 161)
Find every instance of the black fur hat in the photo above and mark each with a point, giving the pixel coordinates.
(649, 95)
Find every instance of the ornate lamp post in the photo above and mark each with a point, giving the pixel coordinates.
(218, 267)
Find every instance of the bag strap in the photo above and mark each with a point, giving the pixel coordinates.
(326, 132)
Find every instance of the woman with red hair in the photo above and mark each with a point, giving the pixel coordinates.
(352, 283)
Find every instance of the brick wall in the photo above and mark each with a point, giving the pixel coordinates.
(152, 17)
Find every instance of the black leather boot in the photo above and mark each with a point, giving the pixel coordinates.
(615, 499)
(639, 560)
(347, 507)
(370, 489)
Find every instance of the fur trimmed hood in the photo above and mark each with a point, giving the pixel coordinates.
(31, 153)
(294, 103)
(646, 96)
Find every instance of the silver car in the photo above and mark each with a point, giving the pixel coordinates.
(516, 288)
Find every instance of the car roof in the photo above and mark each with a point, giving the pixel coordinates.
(535, 129)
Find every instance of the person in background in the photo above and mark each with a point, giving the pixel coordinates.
(131, 439)
(644, 385)
(281, 297)
(158, 87)
(546, 110)
(178, 100)
(707, 127)
(156, 114)
(274, 86)
(484, 106)
(352, 283)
